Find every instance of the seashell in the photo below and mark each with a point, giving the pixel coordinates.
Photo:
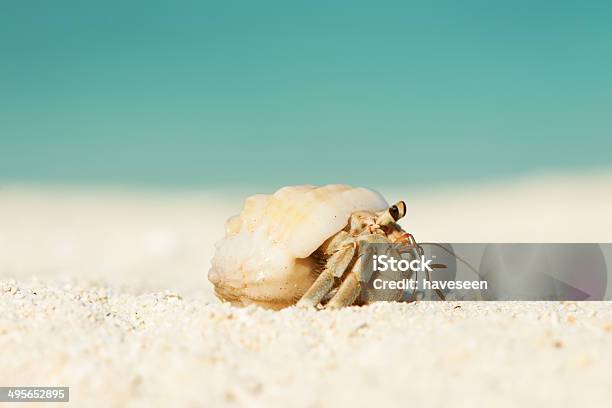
(269, 254)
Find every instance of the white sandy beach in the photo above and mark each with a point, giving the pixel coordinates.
(105, 291)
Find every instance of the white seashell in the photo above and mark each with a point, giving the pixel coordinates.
(265, 257)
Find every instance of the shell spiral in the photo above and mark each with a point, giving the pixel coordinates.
(264, 257)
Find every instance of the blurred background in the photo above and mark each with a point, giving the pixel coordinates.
(129, 131)
(209, 94)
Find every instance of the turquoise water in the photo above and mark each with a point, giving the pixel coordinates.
(277, 92)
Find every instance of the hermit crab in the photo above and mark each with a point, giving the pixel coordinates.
(305, 245)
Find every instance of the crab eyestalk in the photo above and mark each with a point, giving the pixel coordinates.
(391, 214)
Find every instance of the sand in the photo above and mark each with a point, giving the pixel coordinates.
(158, 349)
(105, 291)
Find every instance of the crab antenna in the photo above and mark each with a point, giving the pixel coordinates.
(392, 214)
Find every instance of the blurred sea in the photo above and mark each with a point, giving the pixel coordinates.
(200, 94)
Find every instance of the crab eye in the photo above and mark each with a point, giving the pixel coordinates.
(394, 211)
(398, 210)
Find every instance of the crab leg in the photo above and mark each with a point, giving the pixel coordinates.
(349, 288)
(334, 268)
